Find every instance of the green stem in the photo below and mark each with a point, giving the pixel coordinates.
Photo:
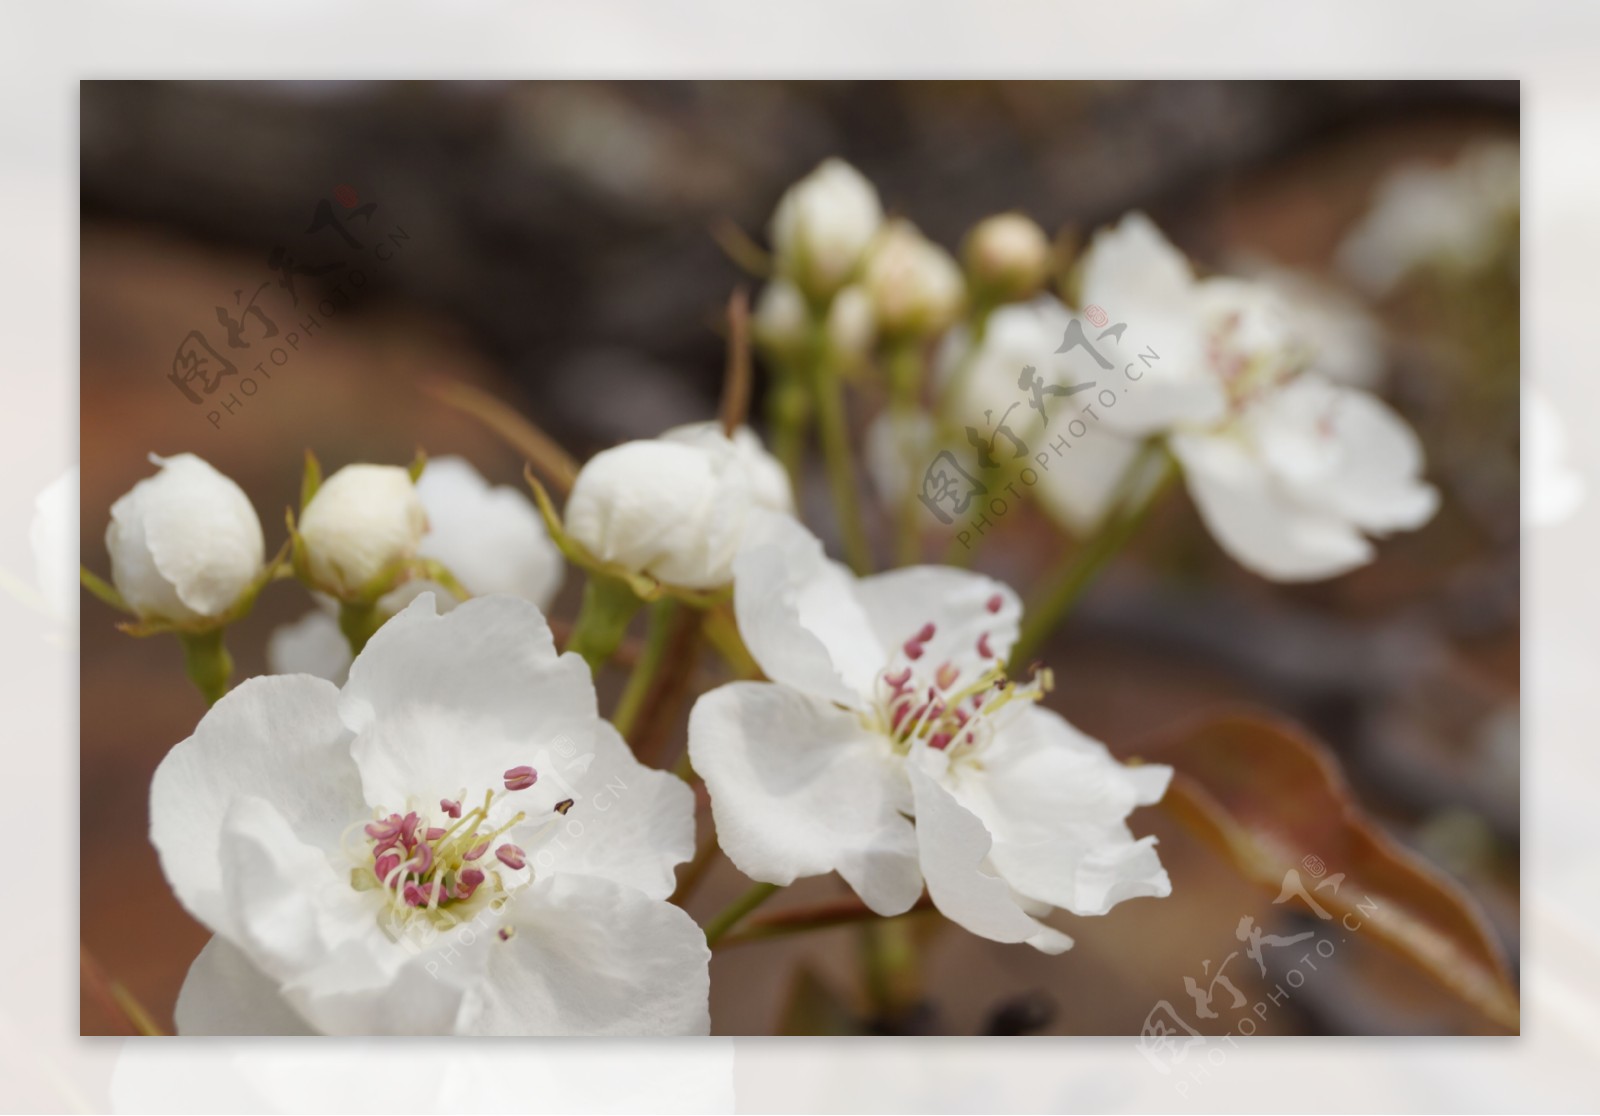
(802, 921)
(905, 388)
(358, 622)
(736, 910)
(829, 394)
(788, 414)
(1084, 562)
(889, 956)
(645, 670)
(608, 605)
(208, 663)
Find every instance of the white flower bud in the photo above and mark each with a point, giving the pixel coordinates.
(1009, 255)
(823, 225)
(675, 507)
(915, 285)
(852, 325)
(781, 318)
(185, 544)
(363, 520)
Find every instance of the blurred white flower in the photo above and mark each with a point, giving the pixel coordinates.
(490, 537)
(185, 544)
(781, 318)
(1007, 255)
(823, 225)
(1342, 337)
(1554, 487)
(1452, 214)
(916, 286)
(852, 325)
(410, 854)
(890, 747)
(674, 507)
(363, 522)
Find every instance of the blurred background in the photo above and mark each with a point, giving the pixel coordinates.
(558, 245)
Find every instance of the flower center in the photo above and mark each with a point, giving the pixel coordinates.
(1249, 371)
(936, 706)
(431, 864)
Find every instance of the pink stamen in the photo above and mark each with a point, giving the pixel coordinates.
(408, 829)
(468, 882)
(521, 778)
(993, 603)
(435, 832)
(983, 646)
(421, 861)
(947, 675)
(450, 806)
(385, 832)
(940, 740)
(511, 856)
(476, 851)
(384, 867)
(899, 680)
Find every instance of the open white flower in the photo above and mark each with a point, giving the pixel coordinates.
(363, 521)
(185, 544)
(823, 225)
(674, 507)
(1290, 471)
(490, 537)
(452, 843)
(890, 747)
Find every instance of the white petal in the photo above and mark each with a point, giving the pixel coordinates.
(311, 645)
(1055, 801)
(954, 848)
(277, 738)
(591, 957)
(492, 538)
(629, 823)
(956, 602)
(1343, 450)
(224, 994)
(1078, 484)
(1256, 521)
(798, 614)
(446, 704)
(800, 788)
(363, 519)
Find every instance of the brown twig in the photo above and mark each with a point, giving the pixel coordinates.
(542, 451)
(736, 380)
(670, 689)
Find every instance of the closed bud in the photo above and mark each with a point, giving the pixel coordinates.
(185, 544)
(674, 507)
(852, 325)
(363, 521)
(822, 227)
(1007, 257)
(915, 286)
(781, 317)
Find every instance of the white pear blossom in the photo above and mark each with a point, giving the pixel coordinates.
(363, 521)
(1346, 340)
(822, 227)
(1291, 472)
(890, 747)
(1453, 214)
(185, 544)
(674, 507)
(916, 286)
(1007, 254)
(490, 537)
(452, 843)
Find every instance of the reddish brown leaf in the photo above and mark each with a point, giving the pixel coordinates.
(1271, 799)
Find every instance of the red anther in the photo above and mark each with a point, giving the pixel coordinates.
(993, 603)
(477, 850)
(912, 650)
(898, 715)
(899, 680)
(983, 646)
(421, 860)
(925, 634)
(940, 740)
(511, 856)
(468, 882)
(385, 831)
(450, 806)
(521, 778)
(416, 896)
(384, 867)
(408, 829)
(947, 675)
